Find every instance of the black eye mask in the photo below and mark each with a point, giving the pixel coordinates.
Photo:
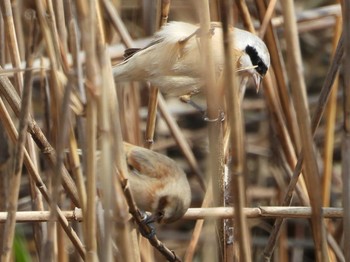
(256, 60)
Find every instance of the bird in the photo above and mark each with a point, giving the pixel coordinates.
(171, 61)
(158, 184)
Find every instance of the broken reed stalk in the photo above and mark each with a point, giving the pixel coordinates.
(346, 132)
(15, 179)
(235, 177)
(153, 90)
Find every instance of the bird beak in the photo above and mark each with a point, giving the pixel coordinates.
(257, 79)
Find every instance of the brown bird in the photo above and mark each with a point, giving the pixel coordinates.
(157, 183)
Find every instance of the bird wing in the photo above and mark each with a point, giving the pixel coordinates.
(148, 162)
(129, 52)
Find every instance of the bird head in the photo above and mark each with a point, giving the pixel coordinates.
(255, 60)
(170, 208)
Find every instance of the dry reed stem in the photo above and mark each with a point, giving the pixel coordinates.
(19, 28)
(107, 161)
(11, 41)
(173, 127)
(87, 17)
(317, 14)
(324, 95)
(8, 92)
(267, 18)
(19, 151)
(346, 133)
(262, 212)
(272, 99)
(279, 71)
(190, 251)
(58, 7)
(215, 131)
(151, 116)
(181, 141)
(244, 11)
(153, 94)
(105, 110)
(127, 40)
(77, 71)
(49, 32)
(10, 128)
(61, 142)
(121, 164)
(2, 41)
(275, 106)
(300, 101)
(235, 179)
(330, 128)
(77, 68)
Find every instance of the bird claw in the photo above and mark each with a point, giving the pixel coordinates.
(220, 118)
(147, 220)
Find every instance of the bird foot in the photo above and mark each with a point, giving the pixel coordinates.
(187, 99)
(149, 231)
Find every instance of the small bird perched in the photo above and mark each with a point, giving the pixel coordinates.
(171, 61)
(157, 183)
